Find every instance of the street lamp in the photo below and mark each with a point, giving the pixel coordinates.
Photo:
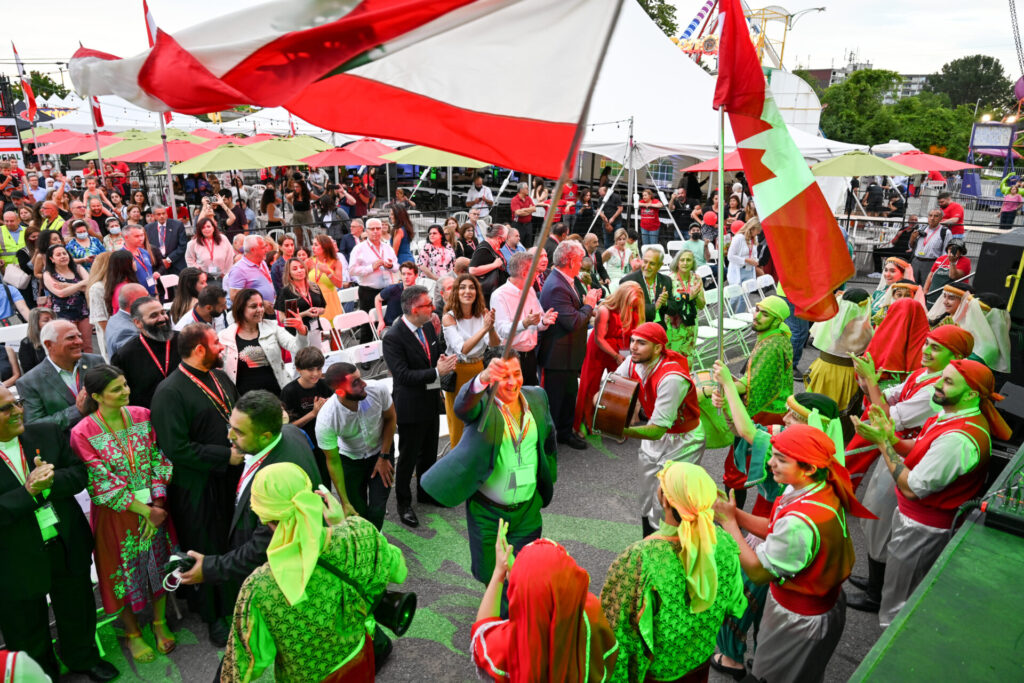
(985, 118)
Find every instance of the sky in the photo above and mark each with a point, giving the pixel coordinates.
(909, 37)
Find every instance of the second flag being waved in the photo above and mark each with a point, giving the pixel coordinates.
(808, 249)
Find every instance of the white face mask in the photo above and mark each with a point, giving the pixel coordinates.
(115, 231)
(81, 235)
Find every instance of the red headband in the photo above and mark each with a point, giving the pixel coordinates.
(956, 339)
(979, 378)
(652, 332)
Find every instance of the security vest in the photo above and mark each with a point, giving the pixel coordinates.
(11, 245)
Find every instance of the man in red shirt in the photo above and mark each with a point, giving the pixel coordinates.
(570, 192)
(522, 214)
(952, 213)
(948, 268)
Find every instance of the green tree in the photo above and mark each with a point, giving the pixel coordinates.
(663, 13)
(810, 80)
(852, 110)
(975, 77)
(928, 119)
(42, 86)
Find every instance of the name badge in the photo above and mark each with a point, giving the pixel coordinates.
(523, 476)
(150, 282)
(144, 496)
(47, 519)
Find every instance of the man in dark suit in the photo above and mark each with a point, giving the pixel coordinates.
(256, 432)
(168, 235)
(563, 345)
(656, 285)
(412, 351)
(558, 233)
(46, 546)
(53, 388)
(496, 478)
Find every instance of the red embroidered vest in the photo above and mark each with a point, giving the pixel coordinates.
(688, 416)
(816, 589)
(939, 509)
(910, 388)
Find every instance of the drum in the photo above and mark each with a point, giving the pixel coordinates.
(616, 403)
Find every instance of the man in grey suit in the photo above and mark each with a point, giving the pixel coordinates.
(168, 235)
(53, 388)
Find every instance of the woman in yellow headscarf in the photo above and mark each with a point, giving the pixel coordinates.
(296, 615)
(672, 589)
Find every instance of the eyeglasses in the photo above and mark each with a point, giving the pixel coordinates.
(19, 402)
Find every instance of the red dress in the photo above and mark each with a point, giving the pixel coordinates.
(594, 365)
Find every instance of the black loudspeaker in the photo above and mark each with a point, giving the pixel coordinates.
(997, 266)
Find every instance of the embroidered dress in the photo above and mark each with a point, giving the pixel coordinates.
(120, 466)
(646, 602)
(685, 299)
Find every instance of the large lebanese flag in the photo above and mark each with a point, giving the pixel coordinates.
(26, 87)
(807, 246)
(499, 80)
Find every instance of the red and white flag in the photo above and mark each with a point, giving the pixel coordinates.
(401, 64)
(151, 34)
(97, 113)
(26, 86)
(807, 247)
(291, 124)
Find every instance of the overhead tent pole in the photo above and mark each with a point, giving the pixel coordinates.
(664, 201)
(449, 187)
(563, 176)
(502, 188)
(611, 189)
(423, 177)
(721, 234)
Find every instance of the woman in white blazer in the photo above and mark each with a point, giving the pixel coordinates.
(252, 344)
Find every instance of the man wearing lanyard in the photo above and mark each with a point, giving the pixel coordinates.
(355, 429)
(930, 245)
(373, 264)
(259, 436)
(134, 240)
(169, 236)
(251, 271)
(53, 388)
(46, 546)
(504, 466)
(152, 354)
(190, 412)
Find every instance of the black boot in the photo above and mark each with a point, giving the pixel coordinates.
(871, 598)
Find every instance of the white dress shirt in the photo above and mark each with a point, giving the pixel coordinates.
(356, 434)
(504, 301)
(361, 264)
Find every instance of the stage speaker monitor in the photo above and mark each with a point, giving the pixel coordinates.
(1000, 258)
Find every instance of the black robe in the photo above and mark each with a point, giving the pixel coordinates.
(193, 434)
(142, 373)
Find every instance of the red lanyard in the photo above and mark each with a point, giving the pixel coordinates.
(517, 435)
(262, 267)
(138, 259)
(221, 402)
(209, 247)
(167, 356)
(126, 445)
(377, 253)
(23, 474)
(307, 297)
(249, 471)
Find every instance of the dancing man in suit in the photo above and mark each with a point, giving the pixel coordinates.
(656, 285)
(168, 235)
(412, 351)
(53, 388)
(46, 544)
(564, 344)
(504, 467)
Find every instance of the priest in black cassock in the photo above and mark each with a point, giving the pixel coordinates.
(150, 357)
(190, 413)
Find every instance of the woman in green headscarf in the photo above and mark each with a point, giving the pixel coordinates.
(666, 596)
(296, 615)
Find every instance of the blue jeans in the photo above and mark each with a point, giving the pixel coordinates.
(801, 329)
(648, 237)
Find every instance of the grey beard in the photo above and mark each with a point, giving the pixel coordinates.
(160, 334)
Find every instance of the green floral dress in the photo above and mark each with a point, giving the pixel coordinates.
(680, 313)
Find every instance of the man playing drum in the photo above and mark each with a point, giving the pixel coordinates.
(669, 405)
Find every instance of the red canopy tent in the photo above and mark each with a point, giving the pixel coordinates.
(80, 143)
(732, 163)
(341, 156)
(930, 162)
(56, 135)
(369, 148)
(177, 150)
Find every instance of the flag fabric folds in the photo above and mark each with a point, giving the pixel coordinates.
(807, 246)
(387, 68)
(151, 34)
(26, 87)
(97, 113)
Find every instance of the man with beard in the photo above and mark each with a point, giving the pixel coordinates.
(355, 429)
(656, 285)
(258, 435)
(190, 414)
(148, 358)
(488, 263)
(934, 474)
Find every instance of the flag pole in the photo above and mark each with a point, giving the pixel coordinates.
(96, 139)
(721, 233)
(167, 167)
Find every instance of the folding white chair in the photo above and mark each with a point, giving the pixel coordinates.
(13, 333)
(749, 288)
(168, 282)
(326, 335)
(461, 217)
(733, 331)
(276, 234)
(350, 323)
(766, 286)
(704, 272)
(674, 247)
(348, 295)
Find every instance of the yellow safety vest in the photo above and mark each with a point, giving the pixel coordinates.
(11, 245)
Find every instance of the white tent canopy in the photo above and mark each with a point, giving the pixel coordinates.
(647, 77)
(274, 120)
(119, 115)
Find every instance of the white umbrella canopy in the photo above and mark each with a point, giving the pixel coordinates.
(892, 147)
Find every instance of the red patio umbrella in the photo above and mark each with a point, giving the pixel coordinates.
(930, 162)
(177, 150)
(252, 139)
(341, 156)
(732, 163)
(368, 148)
(205, 133)
(219, 140)
(56, 135)
(79, 144)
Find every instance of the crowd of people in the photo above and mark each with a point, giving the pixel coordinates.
(202, 453)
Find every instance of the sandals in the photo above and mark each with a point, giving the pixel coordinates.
(164, 645)
(737, 673)
(141, 651)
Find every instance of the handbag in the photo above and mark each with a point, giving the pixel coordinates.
(15, 317)
(16, 277)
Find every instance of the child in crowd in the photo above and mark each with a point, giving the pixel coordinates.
(303, 397)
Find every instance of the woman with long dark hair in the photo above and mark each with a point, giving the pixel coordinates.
(302, 209)
(327, 270)
(120, 270)
(402, 234)
(436, 259)
(44, 241)
(66, 282)
(128, 477)
(210, 250)
(269, 204)
(295, 287)
(190, 282)
(31, 352)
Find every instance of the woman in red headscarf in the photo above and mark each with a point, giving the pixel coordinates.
(805, 557)
(896, 344)
(555, 631)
